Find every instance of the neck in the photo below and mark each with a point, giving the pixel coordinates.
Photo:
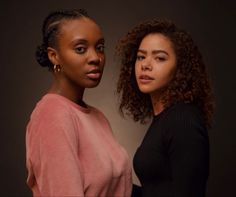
(71, 92)
(157, 104)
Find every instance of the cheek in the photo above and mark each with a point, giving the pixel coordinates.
(169, 76)
(103, 63)
(165, 75)
(172, 72)
(136, 70)
(71, 59)
(169, 69)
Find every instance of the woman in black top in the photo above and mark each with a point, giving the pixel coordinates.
(163, 76)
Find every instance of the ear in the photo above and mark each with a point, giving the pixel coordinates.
(53, 56)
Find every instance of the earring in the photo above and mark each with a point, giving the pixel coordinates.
(57, 68)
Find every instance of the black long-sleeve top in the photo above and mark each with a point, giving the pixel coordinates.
(173, 159)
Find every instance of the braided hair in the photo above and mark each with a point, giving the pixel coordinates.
(50, 31)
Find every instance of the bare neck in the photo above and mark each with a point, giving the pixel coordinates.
(157, 105)
(71, 92)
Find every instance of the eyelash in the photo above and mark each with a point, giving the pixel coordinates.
(160, 58)
(141, 57)
(99, 48)
(78, 49)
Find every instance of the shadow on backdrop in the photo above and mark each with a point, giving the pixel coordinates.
(23, 82)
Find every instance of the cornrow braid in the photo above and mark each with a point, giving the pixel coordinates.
(50, 30)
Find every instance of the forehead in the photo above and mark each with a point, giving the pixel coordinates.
(79, 28)
(156, 41)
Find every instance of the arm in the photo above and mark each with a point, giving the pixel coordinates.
(55, 162)
(188, 150)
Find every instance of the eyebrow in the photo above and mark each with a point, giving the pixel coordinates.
(153, 52)
(75, 41)
(84, 41)
(101, 40)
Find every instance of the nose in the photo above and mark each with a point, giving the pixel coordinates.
(95, 58)
(146, 65)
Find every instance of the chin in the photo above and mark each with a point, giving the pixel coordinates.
(93, 85)
(145, 91)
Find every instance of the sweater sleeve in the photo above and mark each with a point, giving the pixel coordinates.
(54, 158)
(188, 150)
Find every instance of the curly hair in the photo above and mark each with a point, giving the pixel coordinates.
(50, 31)
(191, 83)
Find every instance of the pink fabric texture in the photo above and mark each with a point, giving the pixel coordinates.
(71, 151)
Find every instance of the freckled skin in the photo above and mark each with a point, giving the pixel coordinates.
(156, 59)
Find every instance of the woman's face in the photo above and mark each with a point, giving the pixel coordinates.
(80, 52)
(155, 64)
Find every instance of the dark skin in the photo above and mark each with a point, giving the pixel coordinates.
(79, 56)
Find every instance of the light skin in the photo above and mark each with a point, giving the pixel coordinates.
(155, 67)
(79, 53)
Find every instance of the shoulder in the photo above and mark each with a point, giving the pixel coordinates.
(55, 102)
(52, 116)
(185, 119)
(184, 113)
(51, 108)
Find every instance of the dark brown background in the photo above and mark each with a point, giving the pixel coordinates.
(23, 81)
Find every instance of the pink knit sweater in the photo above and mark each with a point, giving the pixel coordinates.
(71, 151)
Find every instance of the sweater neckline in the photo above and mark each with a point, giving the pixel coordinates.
(164, 111)
(79, 107)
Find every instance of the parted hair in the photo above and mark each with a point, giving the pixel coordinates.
(50, 31)
(191, 83)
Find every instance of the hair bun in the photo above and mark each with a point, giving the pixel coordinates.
(42, 56)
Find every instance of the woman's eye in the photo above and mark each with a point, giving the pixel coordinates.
(160, 59)
(80, 49)
(101, 48)
(140, 57)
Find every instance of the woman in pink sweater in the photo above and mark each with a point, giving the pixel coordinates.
(70, 147)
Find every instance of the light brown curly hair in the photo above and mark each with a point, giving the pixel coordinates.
(191, 83)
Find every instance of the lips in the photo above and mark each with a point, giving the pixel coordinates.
(145, 79)
(94, 74)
